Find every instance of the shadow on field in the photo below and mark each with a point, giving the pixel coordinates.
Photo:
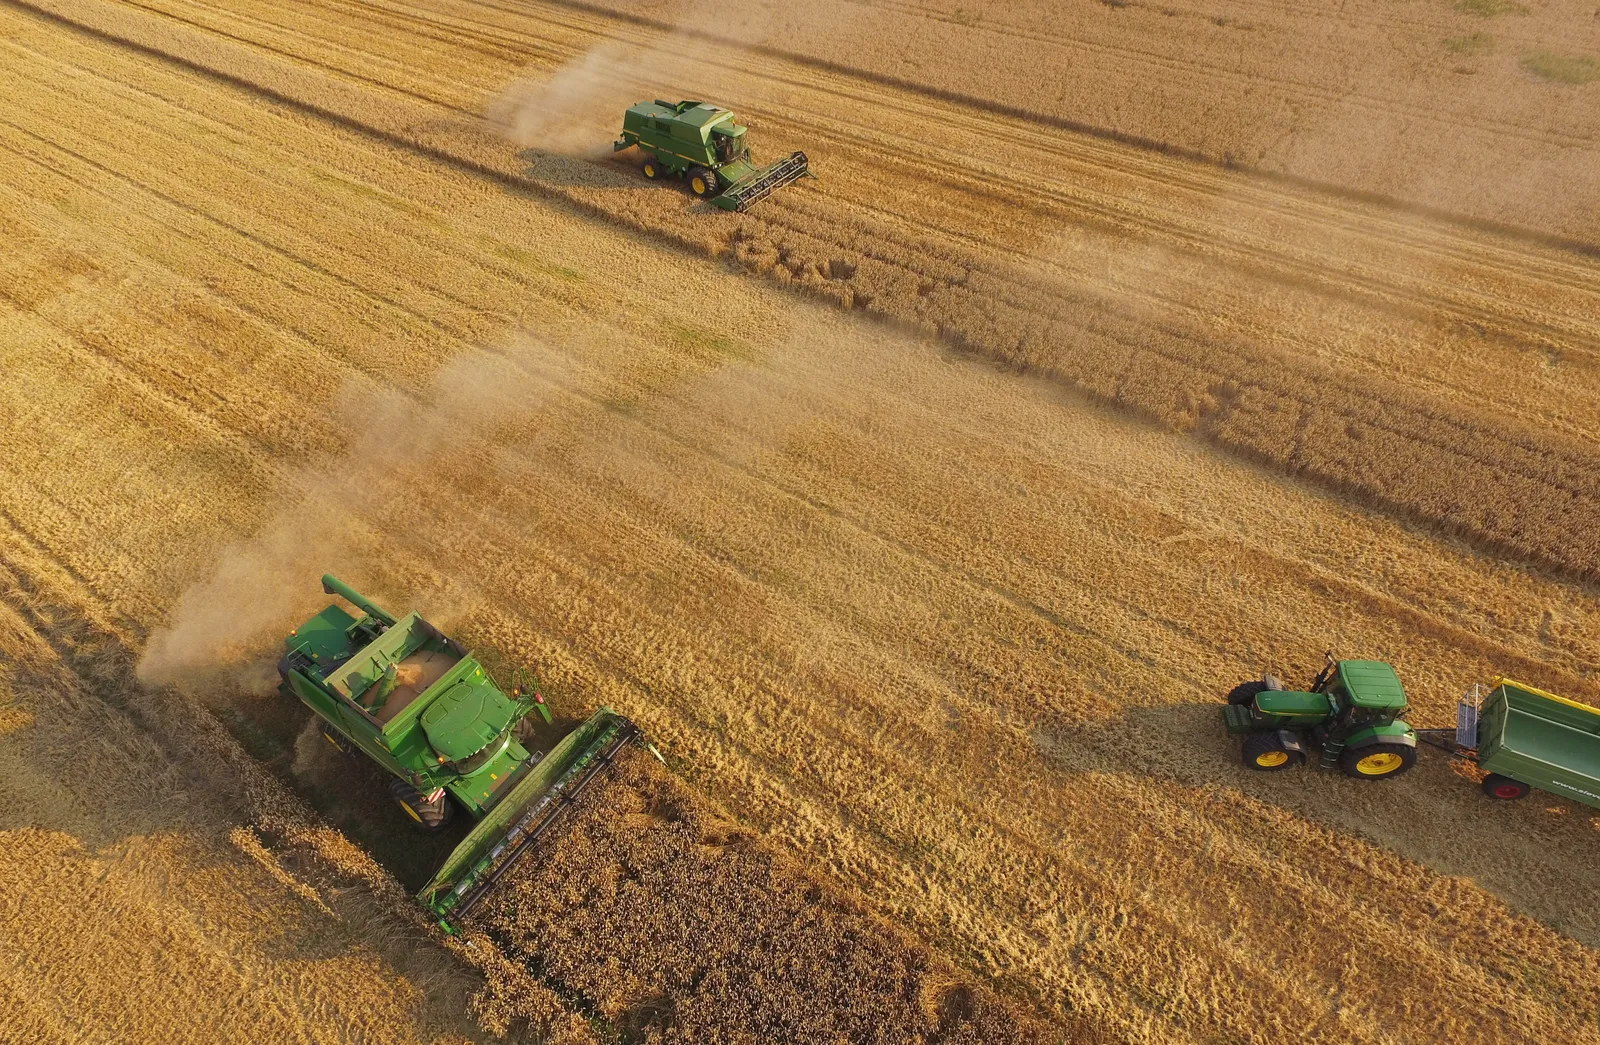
(603, 172)
(1526, 853)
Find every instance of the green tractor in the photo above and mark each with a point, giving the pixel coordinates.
(703, 143)
(417, 703)
(1351, 714)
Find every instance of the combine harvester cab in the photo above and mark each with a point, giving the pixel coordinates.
(421, 706)
(702, 142)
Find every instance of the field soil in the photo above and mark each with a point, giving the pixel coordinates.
(921, 516)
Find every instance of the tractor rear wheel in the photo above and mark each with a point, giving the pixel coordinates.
(1504, 788)
(702, 181)
(1267, 753)
(1245, 692)
(1378, 760)
(652, 168)
(430, 816)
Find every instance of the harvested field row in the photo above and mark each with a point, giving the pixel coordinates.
(678, 925)
(952, 634)
(1438, 373)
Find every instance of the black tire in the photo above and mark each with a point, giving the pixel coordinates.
(344, 746)
(1378, 761)
(651, 168)
(703, 181)
(1266, 753)
(430, 816)
(1245, 692)
(1503, 788)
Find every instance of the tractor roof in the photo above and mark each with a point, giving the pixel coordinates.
(1372, 684)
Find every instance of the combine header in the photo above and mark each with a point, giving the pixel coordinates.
(421, 706)
(699, 141)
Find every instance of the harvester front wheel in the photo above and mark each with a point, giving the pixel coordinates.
(1267, 753)
(1504, 788)
(1378, 760)
(702, 181)
(430, 816)
(652, 168)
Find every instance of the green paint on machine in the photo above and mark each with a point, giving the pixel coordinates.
(421, 706)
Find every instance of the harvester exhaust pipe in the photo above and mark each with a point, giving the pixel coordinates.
(334, 586)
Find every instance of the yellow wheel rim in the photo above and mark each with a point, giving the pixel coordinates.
(1272, 758)
(649, 170)
(332, 741)
(699, 186)
(1379, 764)
(407, 807)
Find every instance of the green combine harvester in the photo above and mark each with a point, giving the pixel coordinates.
(701, 142)
(421, 706)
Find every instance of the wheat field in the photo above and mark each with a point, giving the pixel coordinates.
(919, 515)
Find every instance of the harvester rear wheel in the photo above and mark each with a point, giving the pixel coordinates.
(702, 181)
(1267, 753)
(1504, 788)
(343, 746)
(652, 168)
(430, 816)
(1378, 760)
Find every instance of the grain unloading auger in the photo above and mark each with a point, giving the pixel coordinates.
(421, 706)
(703, 143)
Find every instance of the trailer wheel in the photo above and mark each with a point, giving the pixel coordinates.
(652, 168)
(1378, 760)
(430, 816)
(702, 181)
(1266, 753)
(1504, 788)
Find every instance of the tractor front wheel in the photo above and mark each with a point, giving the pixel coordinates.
(1378, 760)
(652, 168)
(430, 816)
(1504, 788)
(702, 181)
(1267, 753)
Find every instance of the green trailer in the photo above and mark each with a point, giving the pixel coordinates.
(413, 700)
(1526, 738)
(706, 145)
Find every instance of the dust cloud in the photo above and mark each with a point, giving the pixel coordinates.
(331, 518)
(576, 111)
